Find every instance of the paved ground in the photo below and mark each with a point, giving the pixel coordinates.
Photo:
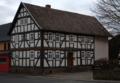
(80, 77)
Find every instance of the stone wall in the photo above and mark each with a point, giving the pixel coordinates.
(106, 74)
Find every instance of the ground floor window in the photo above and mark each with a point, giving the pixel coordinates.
(50, 55)
(2, 60)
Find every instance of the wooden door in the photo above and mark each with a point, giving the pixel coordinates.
(70, 59)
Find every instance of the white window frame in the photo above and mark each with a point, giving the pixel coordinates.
(50, 36)
(71, 38)
(31, 37)
(82, 39)
(16, 55)
(32, 54)
(58, 37)
(91, 39)
(50, 57)
(57, 54)
(23, 21)
(82, 54)
(88, 39)
(16, 38)
(88, 54)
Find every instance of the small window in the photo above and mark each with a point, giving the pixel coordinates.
(50, 37)
(88, 39)
(17, 55)
(32, 55)
(31, 37)
(50, 55)
(8, 46)
(4, 46)
(83, 54)
(71, 39)
(82, 39)
(91, 39)
(2, 60)
(88, 54)
(23, 21)
(57, 55)
(16, 38)
(57, 37)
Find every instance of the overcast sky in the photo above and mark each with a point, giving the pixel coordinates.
(8, 8)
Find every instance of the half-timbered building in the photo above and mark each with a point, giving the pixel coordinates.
(4, 48)
(43, 39)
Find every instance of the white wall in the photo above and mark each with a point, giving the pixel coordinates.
(101, 47)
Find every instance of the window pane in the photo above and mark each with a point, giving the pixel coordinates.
(2, 60)
(21, 21)
(25, 20)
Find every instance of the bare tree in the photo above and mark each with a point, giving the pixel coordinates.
(108, 13)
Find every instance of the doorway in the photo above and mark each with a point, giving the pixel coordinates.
(70, 59)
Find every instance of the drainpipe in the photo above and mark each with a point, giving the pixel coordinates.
(42, 52)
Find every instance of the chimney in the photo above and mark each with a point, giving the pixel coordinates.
(48, 6)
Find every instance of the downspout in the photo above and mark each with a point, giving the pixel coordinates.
(42, 52)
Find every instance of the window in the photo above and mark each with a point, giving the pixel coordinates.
(50, 55)
(23, 21)
(2, 60)
(32, 55)
(50, 37)
(57, 37)
(31, 37)
(8, 46)
(71, 39)
(88, 54)
(16, 55)
(4, 46)
(82, 39)
(83, 54)
(91, 39)
(16, 38)
(88, 39)
(57, 55)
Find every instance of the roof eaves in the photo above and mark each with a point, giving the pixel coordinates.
(31, 16)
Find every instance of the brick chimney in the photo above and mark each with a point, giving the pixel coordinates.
(48, 6)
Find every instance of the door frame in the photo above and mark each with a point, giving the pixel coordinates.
(71, 61)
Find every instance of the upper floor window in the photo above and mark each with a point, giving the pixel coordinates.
(23, 21)
(16, 38)
(32, 55)
(82, 39)
(50, 37)
(4, 46)
(57, 37)
(31, 37)
(88, 39)
(17, 55)
(91, 39)
(8, 46)
(57, 55)
(50, 55)
(83, 54)
(71, 39)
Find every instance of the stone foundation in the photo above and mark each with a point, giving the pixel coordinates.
(39, 71)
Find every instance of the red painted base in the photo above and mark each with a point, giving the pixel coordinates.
(4, 67)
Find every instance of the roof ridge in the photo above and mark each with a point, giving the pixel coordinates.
(59, 10)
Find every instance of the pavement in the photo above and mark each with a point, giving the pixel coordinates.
(76, 76)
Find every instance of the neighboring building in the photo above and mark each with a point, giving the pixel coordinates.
(4, 47)
(50, 39)
(114, 47)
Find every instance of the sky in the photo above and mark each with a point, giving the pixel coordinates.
(8, 8)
